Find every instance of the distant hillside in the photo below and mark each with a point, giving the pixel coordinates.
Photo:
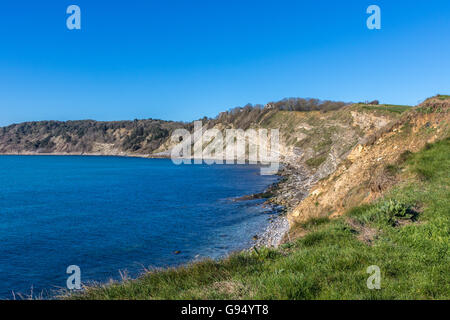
(86, 136)
(138, 137)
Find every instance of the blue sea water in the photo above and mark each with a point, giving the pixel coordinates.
(111, 214)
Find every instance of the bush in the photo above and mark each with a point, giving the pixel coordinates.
(316, 162)
(405, 156)
(385, 213)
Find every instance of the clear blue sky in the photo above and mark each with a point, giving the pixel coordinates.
(182, 60)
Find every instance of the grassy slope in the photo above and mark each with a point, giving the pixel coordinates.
(330, 261)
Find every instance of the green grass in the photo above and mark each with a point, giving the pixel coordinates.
(316, 162)
(443, 96)
(387, 107)
(411, 247)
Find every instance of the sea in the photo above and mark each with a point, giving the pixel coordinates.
(115, 217)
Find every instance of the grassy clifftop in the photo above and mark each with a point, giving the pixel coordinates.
(406, 234)
(389, 206)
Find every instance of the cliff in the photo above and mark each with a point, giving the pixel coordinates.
(370, 168)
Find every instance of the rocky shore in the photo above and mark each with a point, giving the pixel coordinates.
(274, 234)
(284, 195)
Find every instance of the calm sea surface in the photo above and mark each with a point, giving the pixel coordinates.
(107, 214)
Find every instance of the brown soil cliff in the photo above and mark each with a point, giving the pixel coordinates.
(364, 175)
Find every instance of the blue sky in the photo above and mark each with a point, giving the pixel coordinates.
(181, 60)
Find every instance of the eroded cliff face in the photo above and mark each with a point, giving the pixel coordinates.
(312, 143)
(308, 135)
(364, 175)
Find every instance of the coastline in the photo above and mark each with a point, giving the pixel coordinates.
(91, 154)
